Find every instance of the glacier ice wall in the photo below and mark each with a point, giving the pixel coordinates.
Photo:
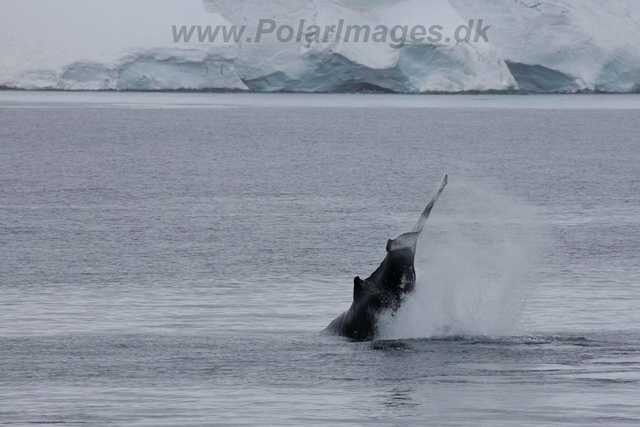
(343, 66)
(152, 70)
(565, 45)
(535, 46)
(110, 45)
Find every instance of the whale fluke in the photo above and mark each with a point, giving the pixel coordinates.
(425, 215)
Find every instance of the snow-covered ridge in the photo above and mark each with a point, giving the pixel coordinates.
(535, 46)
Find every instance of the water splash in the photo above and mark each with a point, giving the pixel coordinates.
(475, 266)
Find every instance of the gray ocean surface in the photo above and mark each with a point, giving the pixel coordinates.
(172, 259)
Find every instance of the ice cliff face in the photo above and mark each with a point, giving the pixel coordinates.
(565, 45)
(347, 65)
(143, 70)
(111, 45)
(534, 46)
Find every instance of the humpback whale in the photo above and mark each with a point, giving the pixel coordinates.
(387, 287)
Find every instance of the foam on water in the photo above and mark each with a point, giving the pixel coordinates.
(475, 266)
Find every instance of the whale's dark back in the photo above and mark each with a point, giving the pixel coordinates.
(384, 289)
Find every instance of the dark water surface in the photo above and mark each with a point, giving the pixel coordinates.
(172, 259)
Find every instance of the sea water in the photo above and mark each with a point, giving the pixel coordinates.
(172, 259)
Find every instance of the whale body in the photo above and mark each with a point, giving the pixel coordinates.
(387, 287)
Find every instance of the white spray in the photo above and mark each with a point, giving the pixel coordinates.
(474, 267)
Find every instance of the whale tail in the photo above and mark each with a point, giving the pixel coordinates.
(425, 215)
(409, 241)
(397, 267)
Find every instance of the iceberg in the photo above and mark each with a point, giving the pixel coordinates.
(539, 46)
